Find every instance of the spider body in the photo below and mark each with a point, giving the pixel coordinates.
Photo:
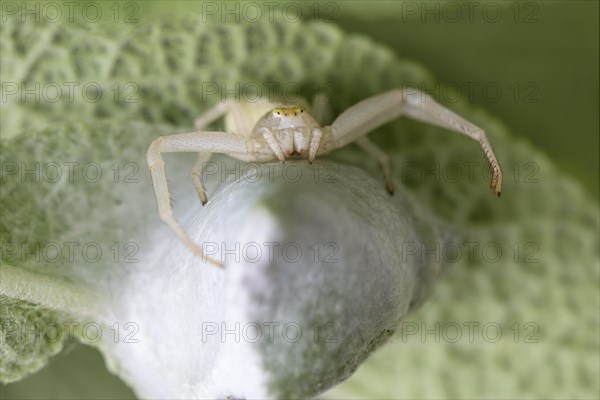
(264, 131)
(292, 129)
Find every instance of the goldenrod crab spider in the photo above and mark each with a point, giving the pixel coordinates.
(264, 133)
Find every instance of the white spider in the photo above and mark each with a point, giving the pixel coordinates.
(264, 133)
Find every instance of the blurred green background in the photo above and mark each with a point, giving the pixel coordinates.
(542, 55)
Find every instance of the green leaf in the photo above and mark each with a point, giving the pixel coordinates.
(24, 346)
(62, 230)
(168, 61)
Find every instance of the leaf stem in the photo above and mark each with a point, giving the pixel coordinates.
(52, 292)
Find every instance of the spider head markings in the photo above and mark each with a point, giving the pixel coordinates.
(284, 112)
(286, 117)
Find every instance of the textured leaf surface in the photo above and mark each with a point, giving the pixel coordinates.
(24, 347)
(169, 61)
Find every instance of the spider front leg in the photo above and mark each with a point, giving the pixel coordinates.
(199, 142)
(268, 136)
(373, 112)
(200, 124)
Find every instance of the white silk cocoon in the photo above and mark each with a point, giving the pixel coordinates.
(317, 275)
